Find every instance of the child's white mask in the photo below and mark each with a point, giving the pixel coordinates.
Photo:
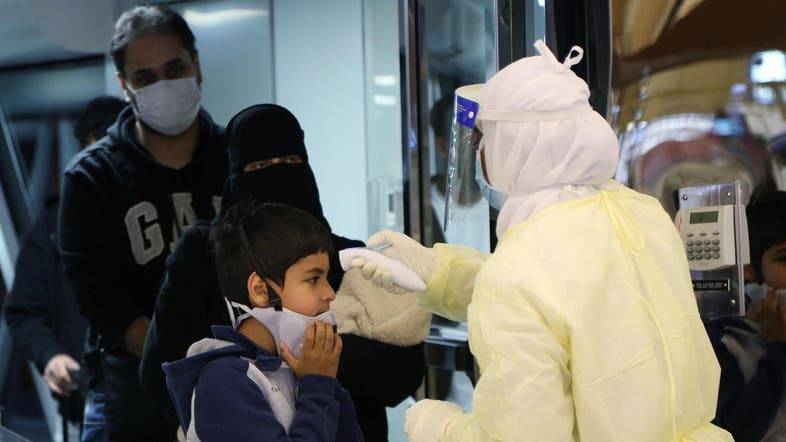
(757, 292)
(285, 325)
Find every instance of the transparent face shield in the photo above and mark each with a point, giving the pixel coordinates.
(462, 191)
(462, 181)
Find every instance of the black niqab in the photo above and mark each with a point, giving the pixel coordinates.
(262, 132)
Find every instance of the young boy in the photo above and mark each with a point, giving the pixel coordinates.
(273, 375)
(752, 350)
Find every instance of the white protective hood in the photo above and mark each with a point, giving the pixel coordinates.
(543, 144)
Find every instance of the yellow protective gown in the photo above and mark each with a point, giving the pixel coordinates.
(585, 327)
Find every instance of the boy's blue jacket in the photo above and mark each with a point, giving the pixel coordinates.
(748, 403)
(229, 405)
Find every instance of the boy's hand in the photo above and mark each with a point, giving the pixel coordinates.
(770, 313)
(320, 353)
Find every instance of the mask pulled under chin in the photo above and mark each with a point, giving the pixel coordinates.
(167, 106)
(286, 326)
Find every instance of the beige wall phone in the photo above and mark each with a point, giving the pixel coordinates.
(714, 230)
(708, 234)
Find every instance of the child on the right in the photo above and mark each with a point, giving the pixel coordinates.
(752, 350)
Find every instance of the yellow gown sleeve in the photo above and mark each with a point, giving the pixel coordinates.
(449, 290)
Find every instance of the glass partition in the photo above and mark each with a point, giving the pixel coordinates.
(691, 113)
(459, 50)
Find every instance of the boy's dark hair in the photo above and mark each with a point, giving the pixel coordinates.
(148, 20)
(279, 235)
(766, 213)
(95, 119)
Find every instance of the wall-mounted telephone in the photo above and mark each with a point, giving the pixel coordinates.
(708, 234)
(714, 230)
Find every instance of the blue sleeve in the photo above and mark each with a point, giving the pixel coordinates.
(323, 407)
(747, 410)
(349, 428)
(228, 405)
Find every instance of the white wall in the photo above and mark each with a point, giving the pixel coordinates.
(235, 46)
(319, 76)
(383, 115)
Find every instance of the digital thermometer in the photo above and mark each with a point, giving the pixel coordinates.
(402, 275)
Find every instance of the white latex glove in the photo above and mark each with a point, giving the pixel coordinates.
(427, 420)
(422, 260)
(57, 376)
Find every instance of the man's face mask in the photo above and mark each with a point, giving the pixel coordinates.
(167, 106)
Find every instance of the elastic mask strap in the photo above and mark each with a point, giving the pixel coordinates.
(237, 319)
(528, 116)
(273, 297)
(231, 306)
(231, 310)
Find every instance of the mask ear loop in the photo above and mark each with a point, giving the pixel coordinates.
(273, 297)
(231, 310)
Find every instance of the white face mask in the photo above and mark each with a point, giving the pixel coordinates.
(495, 198)
(757, 292)
(286, 326)
(167, 106)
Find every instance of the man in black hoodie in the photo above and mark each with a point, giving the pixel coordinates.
(269, 163)
(127, 199)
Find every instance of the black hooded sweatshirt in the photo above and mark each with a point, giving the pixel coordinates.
(121, 214)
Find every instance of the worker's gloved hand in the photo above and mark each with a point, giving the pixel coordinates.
(427, 420)
(422, 260)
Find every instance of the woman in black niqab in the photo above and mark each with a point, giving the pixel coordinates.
(268, 163)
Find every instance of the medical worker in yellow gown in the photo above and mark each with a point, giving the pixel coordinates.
(583, 321)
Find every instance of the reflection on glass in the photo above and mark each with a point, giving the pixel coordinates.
(459, 52)
(690, 113)
(768, 66)
(778, 150)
